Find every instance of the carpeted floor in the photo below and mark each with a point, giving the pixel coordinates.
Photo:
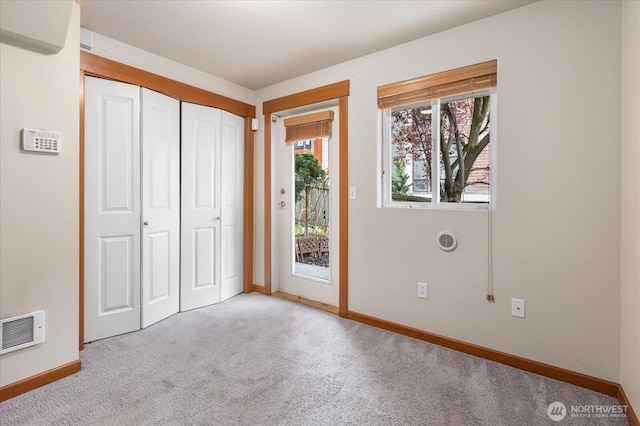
(258, 360)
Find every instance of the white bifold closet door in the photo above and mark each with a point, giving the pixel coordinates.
(112, 209)
(200, 218)
(232, 219)
(160, 206)
(132, 208)
(163, 207)
(212, 206)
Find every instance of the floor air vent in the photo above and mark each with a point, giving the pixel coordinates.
(21, 331)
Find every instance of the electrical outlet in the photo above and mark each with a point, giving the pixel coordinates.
(422, 290)
(517, 308)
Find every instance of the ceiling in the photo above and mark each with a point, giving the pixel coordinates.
(259, 43)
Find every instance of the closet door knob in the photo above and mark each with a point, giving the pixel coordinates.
(145, 223)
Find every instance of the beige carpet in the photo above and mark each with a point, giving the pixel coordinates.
(258, 360)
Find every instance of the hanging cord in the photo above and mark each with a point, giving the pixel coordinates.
(490, 297)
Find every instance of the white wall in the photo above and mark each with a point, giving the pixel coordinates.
(630, 284)
(557, 222)
(39, 202)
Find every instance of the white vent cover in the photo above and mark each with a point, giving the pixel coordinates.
(447, 241)
(21, 331)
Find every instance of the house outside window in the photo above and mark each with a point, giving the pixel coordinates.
(304, 146)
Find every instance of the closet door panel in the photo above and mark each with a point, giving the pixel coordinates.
(160, 206)
(232, 196)
(112, 208)
(200, 211)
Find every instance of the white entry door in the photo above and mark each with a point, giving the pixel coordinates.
(160, 206)
(290, 276)
(112, 208)
(201, 199)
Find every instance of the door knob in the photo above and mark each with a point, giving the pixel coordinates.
(145, 223)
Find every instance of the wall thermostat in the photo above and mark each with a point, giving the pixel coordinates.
(39, 140)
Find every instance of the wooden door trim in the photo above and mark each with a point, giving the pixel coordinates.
(106, 68)
(81, 216)
(344, 207)
(339, 91)
(92, 65)
(308, 97)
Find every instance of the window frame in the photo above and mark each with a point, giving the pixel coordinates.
(386, 158)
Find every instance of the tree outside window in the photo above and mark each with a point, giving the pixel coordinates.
(459, 137)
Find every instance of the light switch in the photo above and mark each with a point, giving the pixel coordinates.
(352, 193)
